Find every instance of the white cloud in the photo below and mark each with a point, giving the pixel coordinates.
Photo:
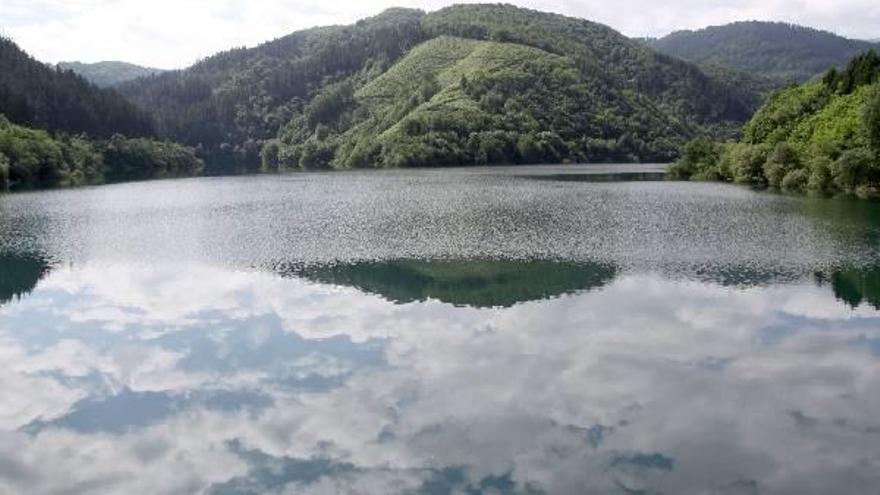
(496, 390)
(175, 33)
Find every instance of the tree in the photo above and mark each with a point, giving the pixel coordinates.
(699, 155)
(872, 120)
(269, 156)
(529, 150)
(782, 160)
(852, 169)
(4, 172)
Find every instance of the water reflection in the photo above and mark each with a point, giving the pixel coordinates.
(476, 283)
(19, 274)
(408, 377)
(854, 286)
(602, 177)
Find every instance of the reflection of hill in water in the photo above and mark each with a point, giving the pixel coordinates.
(496, 283)
(854, 286)
(19, 274)
(483, 283)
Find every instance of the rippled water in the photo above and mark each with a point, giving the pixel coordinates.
(504, 330)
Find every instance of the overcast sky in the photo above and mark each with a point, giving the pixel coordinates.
(175, 33)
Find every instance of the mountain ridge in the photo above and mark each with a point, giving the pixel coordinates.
(36, 95)
(109, 73)
(297, 96)
(782, 51)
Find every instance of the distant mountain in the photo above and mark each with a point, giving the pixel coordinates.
(468, 84)
(36, 95)
(776, 50)
(108, 74)
(57, 129)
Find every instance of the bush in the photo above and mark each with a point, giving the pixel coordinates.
(796, 180)
(746, 163)
(316, 155)
(854, 168)
(4, 172)
(783, 160)
(820, 173)
(269, 159)
(872, 120)
(141, 158)
(699, 158)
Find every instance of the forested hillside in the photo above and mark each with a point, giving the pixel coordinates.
(36, 95)
(821, 136)
(57, 129)
(463, 85)
(108, 74)
(780, 51)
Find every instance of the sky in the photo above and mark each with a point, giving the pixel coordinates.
(175, 33)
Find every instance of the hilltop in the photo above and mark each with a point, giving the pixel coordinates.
(463, 85)
(109, 74)
(36, 95)
(780, 51)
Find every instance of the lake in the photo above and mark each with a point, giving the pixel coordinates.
(557, 329)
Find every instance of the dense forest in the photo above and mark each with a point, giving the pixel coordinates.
(33, 158)
(783, 52)
(35, 95)
(108, 74)
(463, 85)
(57, 129)
(821, 136)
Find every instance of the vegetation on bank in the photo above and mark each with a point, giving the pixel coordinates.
(32, 158)
(57, 129)
(468, 84)
(821, 136)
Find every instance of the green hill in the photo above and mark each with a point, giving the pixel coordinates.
(463, 85)
(823, 135)
(36, 95)
(108, 74)
(780, 51)
(57, 129)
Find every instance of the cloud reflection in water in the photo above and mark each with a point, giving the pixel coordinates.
(120, 378)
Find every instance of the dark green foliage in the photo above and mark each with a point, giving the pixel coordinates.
(108, 74)
(780, 51)
(854, 168)
(225, 100)
(31, 158)
(618, 61)
(855, 286)
(4, 172)
(783, 160)
(744, 163)
(464, 85)
(872, 120)
(140, 158)
(698, 159)
(821, 136)
(477, 283)
(862, 70)
(35, 95)
(20, 274)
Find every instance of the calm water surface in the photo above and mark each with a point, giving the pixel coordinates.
(507, 330)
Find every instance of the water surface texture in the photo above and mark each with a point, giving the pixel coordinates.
(576, 329)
